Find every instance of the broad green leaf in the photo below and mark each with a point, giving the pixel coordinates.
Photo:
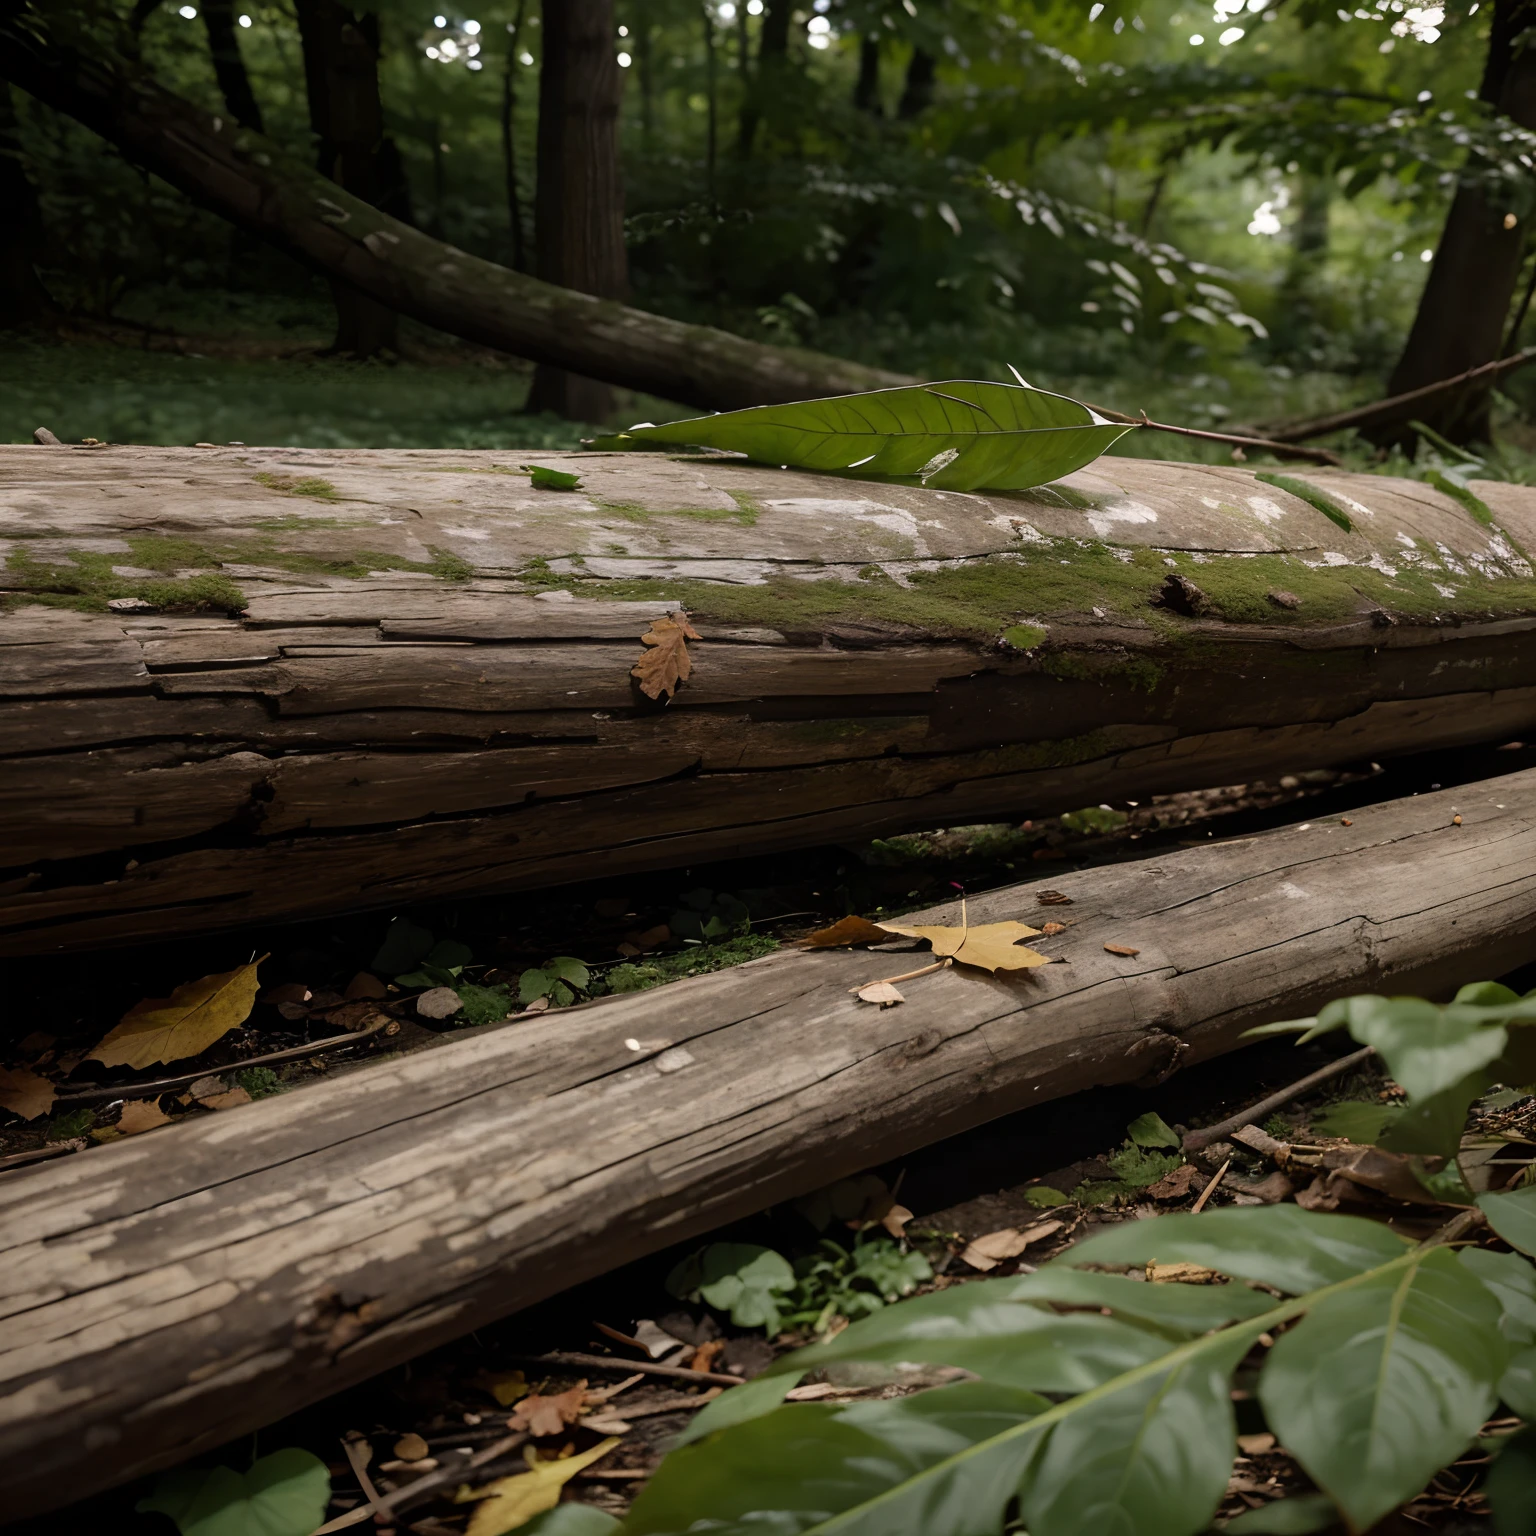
(978, 1328)
(1149, 1460)
(1511, 1486)
(570, 969)
(405, 946)
(1486, 994)
(960, 435)
(1512, 1279)
(448, 955)
(855, 1469)
(284, 1494)
(1517, 1386)
(1187, 1308)
(1513, 1217)
(534, 984)
(749, 1401)
(1151, 1130)
(573, 1520)
(1287, 1517)
(1281, 1245)
(1427, 1049)
(1360, 1123)
(1384, 1382)
(744, 1279)
(1434, 1125)
(545, 479)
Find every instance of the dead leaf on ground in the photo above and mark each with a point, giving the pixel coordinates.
(439, 1003)
(364, 984)
(666, 663)
(1180, 1274)
(706, 1354)
(1178, 1184)
(184, 1024)
(1052, 899)
(233, 1098)
(846, 931)
(24, 1093)
(895, 1221)
(1256, 1445)
(988, 1251)
(989, 947)
(411, 1447)
(548, 1415)
(141, 1115)
(881, 992)
(513, 1501)
(1121, 949)
(1050, 930)
(35, 1043)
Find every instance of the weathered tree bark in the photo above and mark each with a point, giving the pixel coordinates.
(510, 67)
(917, 89)
(1466, 300)
(769, 77)
(166, 1294)
(579, 202)
(228, 65)
(409, 676)
(866, 89)
(341, 79)
(250, 181)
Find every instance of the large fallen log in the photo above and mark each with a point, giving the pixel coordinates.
(360, 679)
(167, 1293)
(253, 183)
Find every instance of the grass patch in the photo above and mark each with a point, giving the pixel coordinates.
(699, 960)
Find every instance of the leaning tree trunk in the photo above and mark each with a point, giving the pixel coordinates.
(251, 182)
(341, 78)
(168, 1293)
(579, 200)
(1466, 301)
(348, 679)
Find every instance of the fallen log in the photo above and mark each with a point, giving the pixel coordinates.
(167, 1293)
(252, 182)
(358, 679)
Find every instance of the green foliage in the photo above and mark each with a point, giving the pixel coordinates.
(957, 435)
(284, 1494)
(559, 979)
(1297, 1516)
(572, 1520)
(642, 975)
(1046, 1198)
(1357, 1122)
(1095, 820)
(73, 1122)
(483, 1005)
(259, 1082)
(406, 944)
(747, 1281)
(1151, 1130)
(1309, 494)
(541, 477)
(441, 966)
(706, 917)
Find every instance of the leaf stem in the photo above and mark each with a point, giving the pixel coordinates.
(906, 975)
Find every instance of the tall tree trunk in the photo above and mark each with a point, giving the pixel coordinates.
(341, 76)
(24, 301)
(866, 90)
(917, 92)
(772, 60)
(579, 203)
(228, 66)
(1465, 304)
(508, 143)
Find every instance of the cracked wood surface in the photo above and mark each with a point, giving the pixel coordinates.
(410, 677)
(165, 1294)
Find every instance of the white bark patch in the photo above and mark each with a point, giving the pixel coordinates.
(1104, 519)
(1265, 509)
(892, 519)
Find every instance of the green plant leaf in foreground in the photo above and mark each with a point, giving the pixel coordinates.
(960, 435)
(1513, 1217)
(572, 1520)
(1287, 1517)
(284, 1494)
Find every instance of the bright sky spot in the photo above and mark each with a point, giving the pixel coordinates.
(754, 7)
(1196, 39)
(1094, 12)
(471, 27)
(439, 21)
(625, 61)
(726, 11)
(525, 58)
(818, 24)
(819, 40)
(1265, 220)
(245, 21)
(1426, 255)
(190, 12)
(475, 64)
(1230, 36)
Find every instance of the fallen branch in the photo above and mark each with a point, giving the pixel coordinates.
(646, 1367)
(1396, 408)
(170, 1292)
(1224, 1128)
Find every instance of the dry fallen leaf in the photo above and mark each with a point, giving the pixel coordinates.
(1180, 1274)
(513, 1501)
(988, 1251)
(705, 1355)
(990, 947)
(230, 1100)
(1050, 930)
(505, 1386)
(1052, 899)
(24, 1093)
(846, 931)
(411, 1447)
(141, 1115)
(184, 1024)
(287, 992)
(595, 1395)
(364, 984)
(548, 1415)
(666, 663)
(1256, 1445)
(1175, 1185)
(895, 1221)
(1120, 949)
(881, 992)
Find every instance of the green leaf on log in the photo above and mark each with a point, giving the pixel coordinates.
(960, 435)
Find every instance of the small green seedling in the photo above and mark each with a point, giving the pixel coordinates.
(559, 980)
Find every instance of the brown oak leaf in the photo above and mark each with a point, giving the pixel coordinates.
(666, 664)
(548, 1415)
(24, 1093)
(848, 930)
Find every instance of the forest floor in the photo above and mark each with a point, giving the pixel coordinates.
(1032, 1183)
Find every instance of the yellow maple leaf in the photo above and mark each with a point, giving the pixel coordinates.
(184, 1024)
(990, 947)
(24, 1093)
(513, 1501)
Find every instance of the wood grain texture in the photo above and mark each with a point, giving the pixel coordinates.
(411, 677)
(164, 1294)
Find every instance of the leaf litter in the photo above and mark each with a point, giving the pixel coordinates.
(186, 1023)
(665, 665)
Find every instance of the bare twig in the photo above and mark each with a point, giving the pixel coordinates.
(1399, 407)
(1239, 440)
(358, 1461)
(1209, 1133)
(1455, 1229)
(603, 1363)
(1210, 1189)
(164, 1084)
